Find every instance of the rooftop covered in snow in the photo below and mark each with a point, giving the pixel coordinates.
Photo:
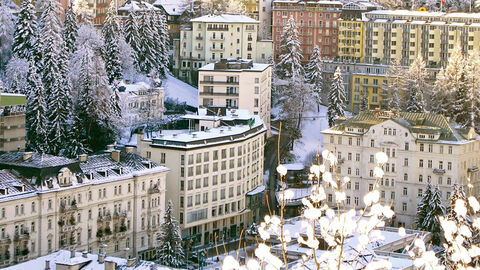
(225, 18)
(171, 7)
(235, 65)
(219, 135)
(85, 261)
(419, 15)
(210, 114)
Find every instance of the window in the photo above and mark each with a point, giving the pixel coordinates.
(449, 166)
(33, 207)
(357, 186)
(422, 147)
(450, 150)
(405, 162)
(356, 200)
(406, 146)
(420, 192)
(372, 143)
(404, 207)
(420, 163)
(420, 178)
(405, 191)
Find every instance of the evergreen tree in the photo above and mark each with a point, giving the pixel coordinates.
(394, 86)
(394, 101)
(132, 36)
(74, 146)
(161, 41)
(70, 31)
(472, 99)
(290, 65)
(415, 86)
(423, 208)
(115, 108)
(16, 75)
(110, 31)
(93, 107)
(7, 26)
(364, 104)
(147, 59)
(431, 221)
(336, 98)
(170, 251)
(313, 75)
(36, 120)
(25, 31)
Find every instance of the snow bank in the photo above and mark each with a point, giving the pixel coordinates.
(178, 90)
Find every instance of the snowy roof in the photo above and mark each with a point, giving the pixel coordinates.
(230, 114)
(437, 23)
(257, 67)
(214, 136)
(171, 7)
(294, 166)
(256, 190)
(381, 20)
(180, 91)
(136, 6)
(426, 123)
(418, 22)
(35, 160)
(414, 13)
(399, 21)
(62, 257)
(225, 18)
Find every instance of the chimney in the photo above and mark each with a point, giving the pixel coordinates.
(27, 155)
(101, 258)
(116, 155)
(129, 149)
(82, 158)
(109, 265)
(47, 265)
(84, 254)
(72, 253)
(110, 147)
(131, 261)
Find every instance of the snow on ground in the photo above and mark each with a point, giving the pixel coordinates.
(132, 141)
(311, 139)
(183, 92)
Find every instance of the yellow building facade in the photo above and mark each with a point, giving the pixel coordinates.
(376, 87)
(350, 40)
(403, 35)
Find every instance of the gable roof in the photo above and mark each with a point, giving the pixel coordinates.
(425, 123)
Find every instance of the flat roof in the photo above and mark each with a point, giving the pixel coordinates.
(225, 18)
(257, 67)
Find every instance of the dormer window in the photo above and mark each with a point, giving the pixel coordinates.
(103, 173)
(64, 177)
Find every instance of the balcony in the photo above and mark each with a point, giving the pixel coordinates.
(70, 228)
(104, 217)
(216, 49)
(439, 171)
(198, 48)
(68, 208)
(232, 94)
(25, 235)
(5, 240)
(199, 38)
(472, 169)
(217, 28)
(219, 82)
(121, 214)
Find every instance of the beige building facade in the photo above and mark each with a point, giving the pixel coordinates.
(213, 37)
(216, 177)
(237, 84)
(49, 203)
(421, 147)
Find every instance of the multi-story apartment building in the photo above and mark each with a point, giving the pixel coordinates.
(350, 30)
(403, 35)
(422, 148)
(141, 103)
(316, 22)
(12, 121)
(213, 37)
(237, 84)
(173, 9)
(48, 203)
(216, 177)
(260, 10)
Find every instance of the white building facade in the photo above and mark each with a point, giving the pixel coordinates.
(141, 103)
(421, 147)
(49, 203)
(213, 37)
(216, 177)
(237, 84)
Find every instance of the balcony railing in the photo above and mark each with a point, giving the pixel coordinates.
(199, 38)
(217, 38)
(438, 171)
(217, 49)
(219, 82)
(218, 94)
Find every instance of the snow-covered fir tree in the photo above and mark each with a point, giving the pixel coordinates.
(132, 37)
(7, 26)
(450, 83)
(394, 101)
(424, 206)
(74, 146)
(415, 85)
(114, 101)
(161, 39)
(36, 120)
(111, 32)
(25, 31)
(431, 222)
(93, 102)
(147, 58)
(314, 74)
(336, 98)
(70, 31)
(394, 85)
(170, 250)
(297, 97)
(472, 101)
(290, 65)
(364, 102)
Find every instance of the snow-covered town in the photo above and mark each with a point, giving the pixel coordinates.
(239, 134)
